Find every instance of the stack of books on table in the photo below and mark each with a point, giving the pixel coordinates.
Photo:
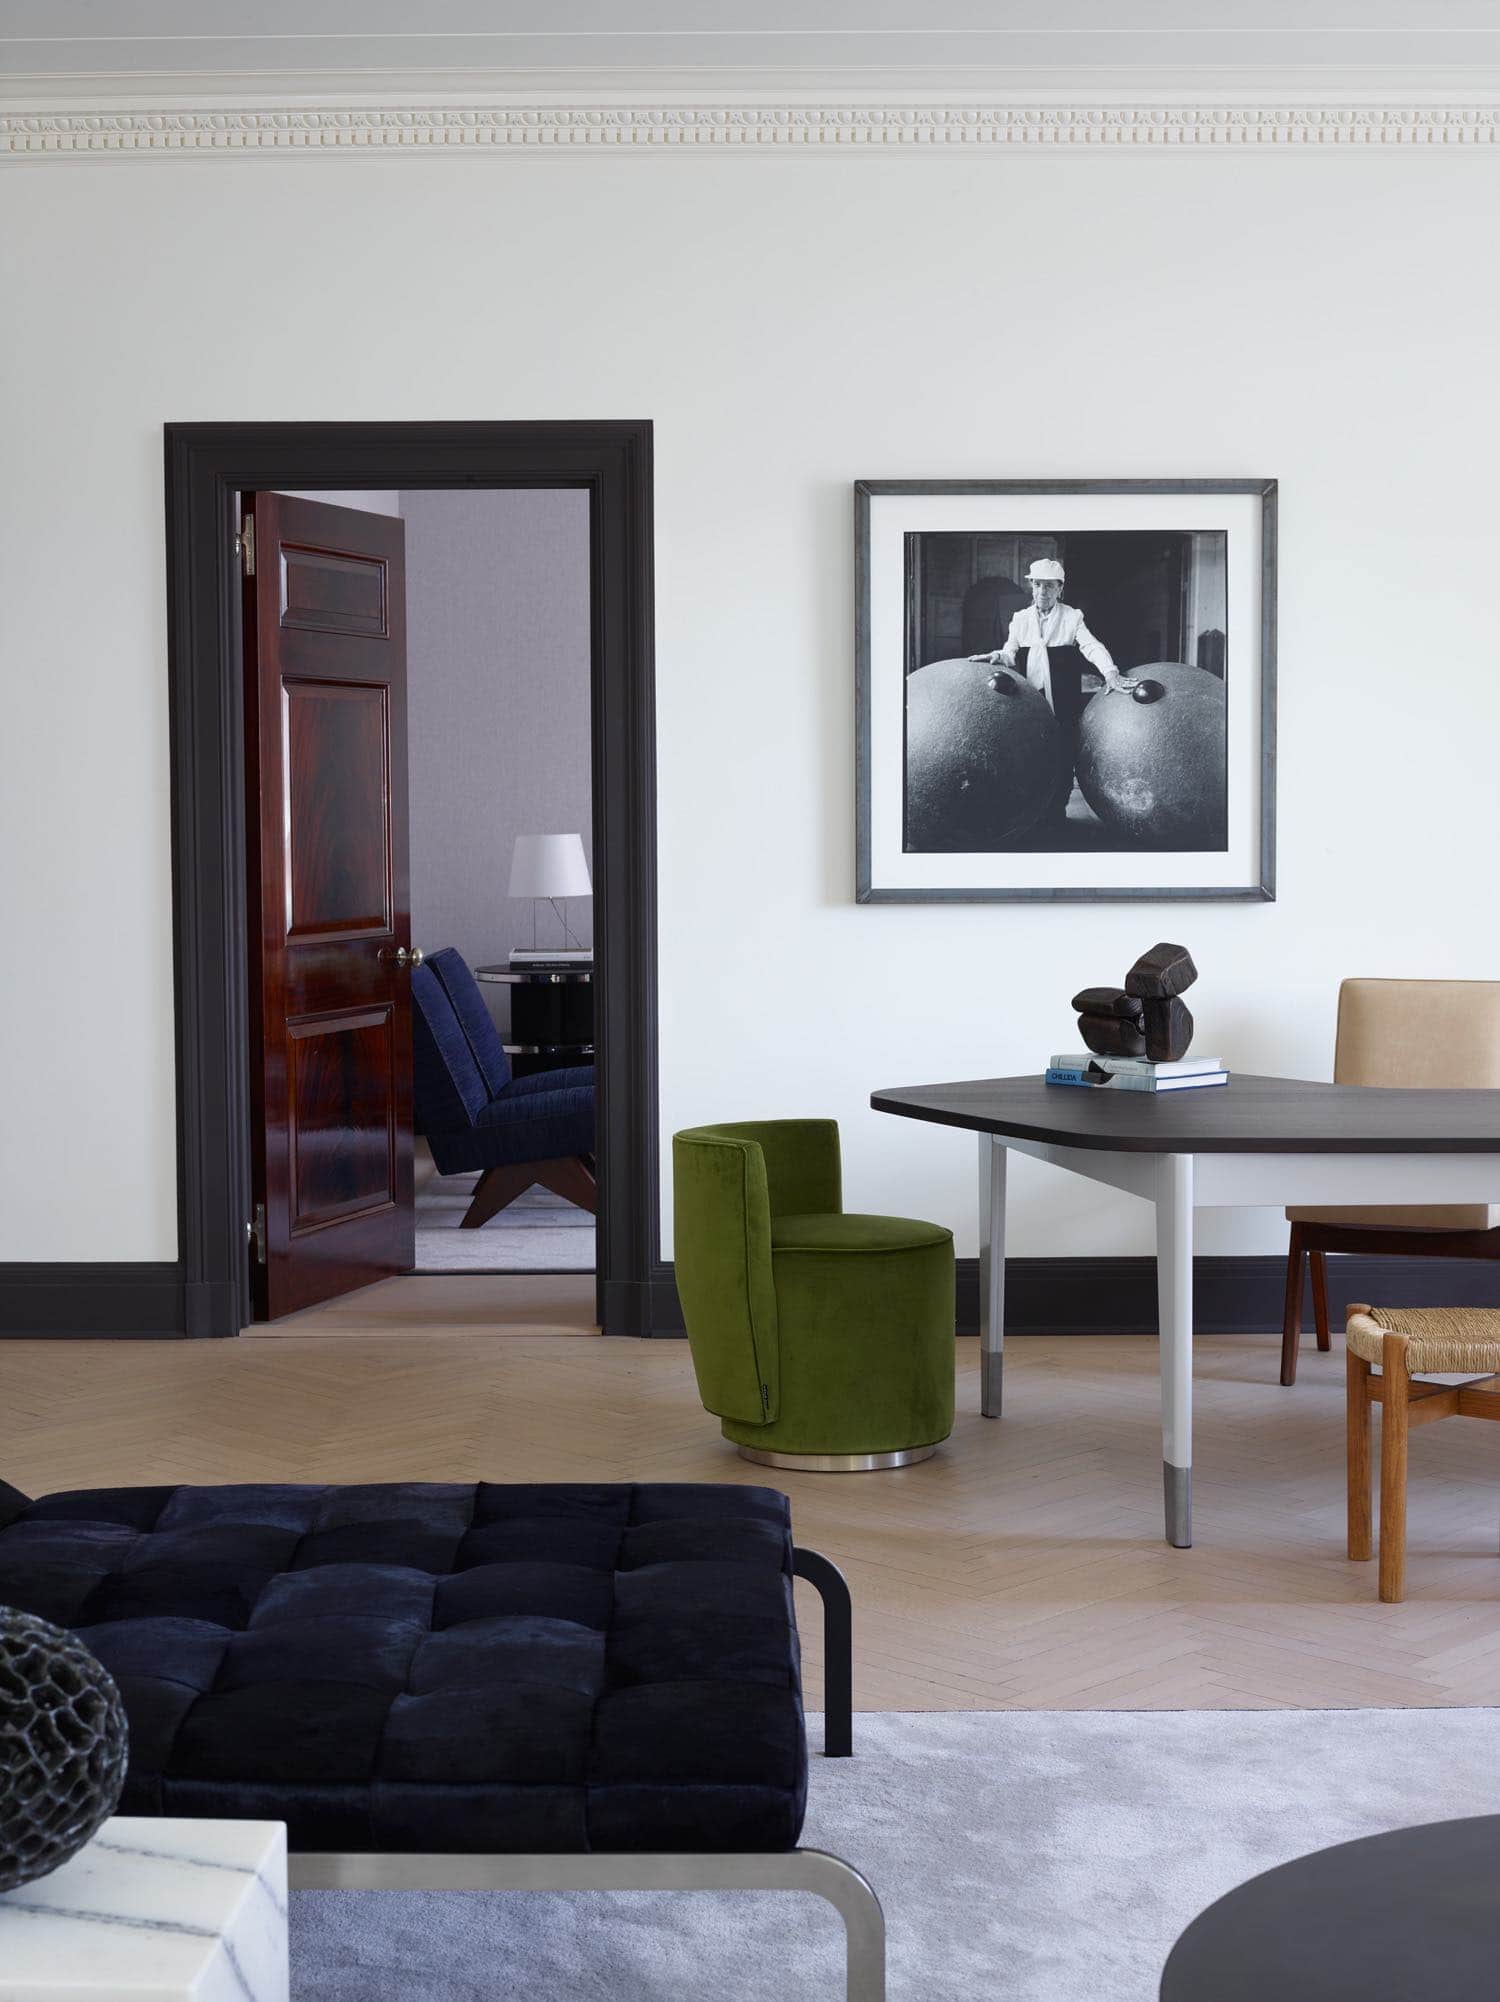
(1136, 1073)
(554, 956)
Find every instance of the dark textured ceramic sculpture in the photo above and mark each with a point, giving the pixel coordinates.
(1145, 1017)
(62, 1747)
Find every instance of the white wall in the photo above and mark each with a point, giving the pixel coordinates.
(790, 324)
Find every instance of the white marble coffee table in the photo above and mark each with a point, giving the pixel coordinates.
(154, 1911)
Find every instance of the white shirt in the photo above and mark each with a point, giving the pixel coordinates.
(1062, 626)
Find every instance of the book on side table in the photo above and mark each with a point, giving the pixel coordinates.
(1135, 1073)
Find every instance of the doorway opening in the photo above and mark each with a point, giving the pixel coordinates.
(600, 476)
(486, 617)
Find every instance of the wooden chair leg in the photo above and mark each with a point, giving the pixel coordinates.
(572, 1179)
(1291, 1317)
(497, 1187)
(1395, 1389)
(1357, 1432)
(1318, 1260)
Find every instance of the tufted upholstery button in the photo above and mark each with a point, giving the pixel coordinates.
(441, 1667)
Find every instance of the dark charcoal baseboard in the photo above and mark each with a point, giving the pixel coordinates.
(1044, 1296)
(1232, 1296)
(631, 1307)
(143, 1302)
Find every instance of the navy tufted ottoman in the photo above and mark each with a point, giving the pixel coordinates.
(463, 1686)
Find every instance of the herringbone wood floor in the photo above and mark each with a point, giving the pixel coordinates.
(1022, 1567)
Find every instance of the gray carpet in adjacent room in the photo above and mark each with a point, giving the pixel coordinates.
(1032, 1856)
(538, 1232)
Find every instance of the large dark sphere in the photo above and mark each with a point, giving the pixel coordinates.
(63, 1745)
(984, 756)
(1155, 770)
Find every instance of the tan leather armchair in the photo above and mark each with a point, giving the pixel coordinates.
(1433, 1034)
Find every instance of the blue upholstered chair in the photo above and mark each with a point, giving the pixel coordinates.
(518, 1130)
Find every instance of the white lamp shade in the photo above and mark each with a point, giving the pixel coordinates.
(549, 865)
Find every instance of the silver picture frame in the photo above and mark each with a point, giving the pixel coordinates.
(889, 867)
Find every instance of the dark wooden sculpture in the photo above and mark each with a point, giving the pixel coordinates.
(1110, 1036)
(1109, 1001)
(1161, 973)
(1146, 1017)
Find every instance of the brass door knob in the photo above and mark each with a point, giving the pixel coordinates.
(397, 953)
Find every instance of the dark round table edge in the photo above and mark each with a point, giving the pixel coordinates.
(913, 1102)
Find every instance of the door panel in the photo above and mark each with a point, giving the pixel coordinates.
(325, 684)
(323, 591)
(336, 807)
(340, 1104)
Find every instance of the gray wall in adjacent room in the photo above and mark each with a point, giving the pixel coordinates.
(369, 500)
(498, 665)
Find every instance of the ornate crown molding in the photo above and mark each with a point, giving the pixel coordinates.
(743, 128)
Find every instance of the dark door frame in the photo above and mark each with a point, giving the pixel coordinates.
(208, 467)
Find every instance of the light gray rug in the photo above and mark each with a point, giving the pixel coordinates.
(1037, 1856)
(538, 1232)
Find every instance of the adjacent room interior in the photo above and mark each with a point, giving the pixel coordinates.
(752, 1072)
(498, 736)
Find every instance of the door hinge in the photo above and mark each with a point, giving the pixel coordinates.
(256, 1233)
(244, 544)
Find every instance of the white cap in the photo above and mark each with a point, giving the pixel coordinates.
(1046, 570)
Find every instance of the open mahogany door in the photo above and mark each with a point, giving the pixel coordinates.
(330, 916)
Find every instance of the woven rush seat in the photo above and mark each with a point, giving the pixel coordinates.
(1439, 1340)
(1409, 1344)
(440, 1668)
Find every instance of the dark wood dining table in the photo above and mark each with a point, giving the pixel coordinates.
(1254, 1142)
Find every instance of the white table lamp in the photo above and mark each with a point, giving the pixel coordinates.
(550, 866)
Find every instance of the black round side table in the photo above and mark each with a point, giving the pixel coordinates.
(551, 1014)
(1413, 1916)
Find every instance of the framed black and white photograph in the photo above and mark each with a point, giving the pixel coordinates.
(1066, 691)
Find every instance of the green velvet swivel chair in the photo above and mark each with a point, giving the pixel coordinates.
(820, 1340)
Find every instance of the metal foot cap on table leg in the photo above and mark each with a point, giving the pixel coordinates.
(1177, 1486)
(991, 1383)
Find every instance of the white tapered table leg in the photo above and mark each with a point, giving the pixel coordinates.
(1174, 1293)
(991, 1275)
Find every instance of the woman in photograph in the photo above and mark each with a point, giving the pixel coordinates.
(1057, 642)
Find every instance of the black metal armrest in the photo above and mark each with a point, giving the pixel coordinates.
(838, 1649)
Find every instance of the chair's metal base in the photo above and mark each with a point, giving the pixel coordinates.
(811, 1870)
(838, 1463)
